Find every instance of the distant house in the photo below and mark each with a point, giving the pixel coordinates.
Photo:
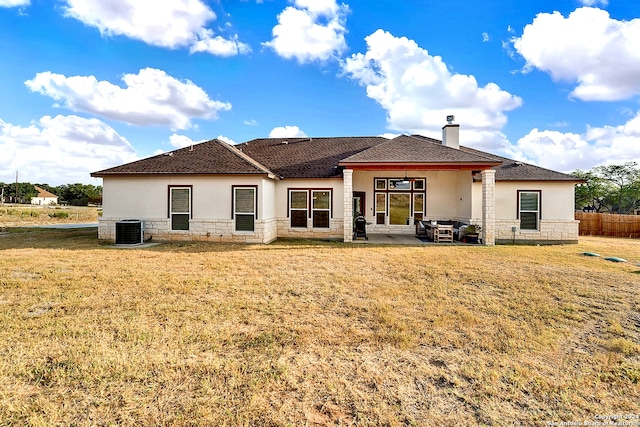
(265, 189)
(44, 197)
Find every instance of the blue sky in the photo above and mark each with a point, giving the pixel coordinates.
(90, 84)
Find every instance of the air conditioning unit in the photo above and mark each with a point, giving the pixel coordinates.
(129, 232)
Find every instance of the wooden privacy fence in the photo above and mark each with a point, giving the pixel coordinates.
(600, 224)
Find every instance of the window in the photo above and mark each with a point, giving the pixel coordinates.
(179, 207)
(381, 208)
(400, 201)
(418, 207)
(399, 184)
(321, 208)
(399, 208)
(305, 205)
(244, 208)
(298, 208)
(529, 209)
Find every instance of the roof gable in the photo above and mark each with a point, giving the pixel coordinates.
(44, 194)
(210, 157)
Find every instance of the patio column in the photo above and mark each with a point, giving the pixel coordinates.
(347, 182)
(489, 207)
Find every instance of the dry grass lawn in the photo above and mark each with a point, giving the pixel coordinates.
(315, 333)
(25, 215)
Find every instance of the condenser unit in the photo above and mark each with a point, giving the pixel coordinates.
(129, 232)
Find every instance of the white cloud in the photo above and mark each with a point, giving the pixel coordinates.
(181, 141)
(170, 24)
(218, 45)
(226, 139)
(311, 30)
(418, 91)
(600, 54)
(594, 2)
(151, 97)
(14, 3)
(251, 122)
(287, 132)
(485, 37)
(60, 150)
(389, 135)
(569, 151)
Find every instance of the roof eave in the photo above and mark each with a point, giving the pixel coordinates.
(125, 174)
(575, 181)
(418, 165)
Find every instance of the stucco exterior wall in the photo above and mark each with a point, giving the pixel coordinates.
(44, 201)
(557, 223)
(448, 192)
(281, 203)
(147, 199)
(449, 195)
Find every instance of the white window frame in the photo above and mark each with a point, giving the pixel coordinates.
(314, 209)
(413, 206)
(399, 193)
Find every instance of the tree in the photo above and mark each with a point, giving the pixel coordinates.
(79, 194)
(624, 195)
(25, 192)
(592, 194)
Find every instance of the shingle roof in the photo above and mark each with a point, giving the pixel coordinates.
(417, 149)
(513, 170)
(44, 193)
(321, 158)
(306, 157)
(210, 157)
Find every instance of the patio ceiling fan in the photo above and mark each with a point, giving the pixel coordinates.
(406, 179)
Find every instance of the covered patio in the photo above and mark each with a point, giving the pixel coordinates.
(413, 181)
(404, 239)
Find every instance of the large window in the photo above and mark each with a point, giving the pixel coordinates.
(399, 201)
(179, 207)
(399, 208)
(529, 209)
(244, 208)
(309, 206)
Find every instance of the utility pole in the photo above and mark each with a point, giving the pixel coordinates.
(16, 186)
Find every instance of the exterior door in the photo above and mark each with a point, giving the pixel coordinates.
(359, 203)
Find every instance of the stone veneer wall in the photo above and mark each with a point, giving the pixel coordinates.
(199, 230)
(334, 232)
(551, 231)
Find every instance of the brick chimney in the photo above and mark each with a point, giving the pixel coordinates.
(451, 134)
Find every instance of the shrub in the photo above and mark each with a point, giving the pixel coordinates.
(59, 215)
